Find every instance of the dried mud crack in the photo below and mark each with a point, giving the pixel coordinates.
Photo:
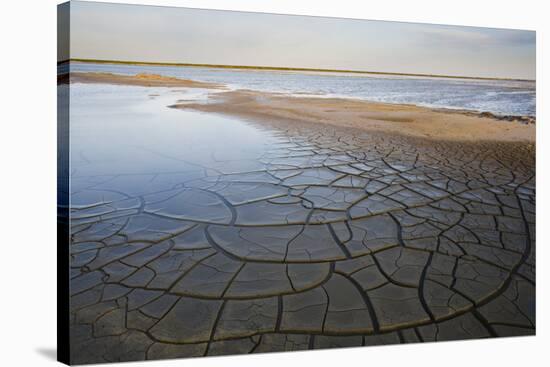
(341, 238)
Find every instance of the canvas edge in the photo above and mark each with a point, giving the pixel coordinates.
(63, 259)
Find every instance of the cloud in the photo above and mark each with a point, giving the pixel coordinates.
(474, 38)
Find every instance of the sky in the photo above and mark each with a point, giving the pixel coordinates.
(182, 35)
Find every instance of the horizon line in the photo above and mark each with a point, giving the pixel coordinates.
(285, 68)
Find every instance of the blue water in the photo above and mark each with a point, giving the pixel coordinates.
(516, 98)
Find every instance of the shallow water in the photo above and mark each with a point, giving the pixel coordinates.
(498, 97)
(129, 130)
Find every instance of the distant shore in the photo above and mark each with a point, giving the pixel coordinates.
(405, 120)
(278, 68)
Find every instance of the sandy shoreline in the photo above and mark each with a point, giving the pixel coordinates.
(142, 80)
(405, 120)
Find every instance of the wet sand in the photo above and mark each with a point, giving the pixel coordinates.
(405, 120)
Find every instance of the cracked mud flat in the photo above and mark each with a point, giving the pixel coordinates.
(196, 234)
